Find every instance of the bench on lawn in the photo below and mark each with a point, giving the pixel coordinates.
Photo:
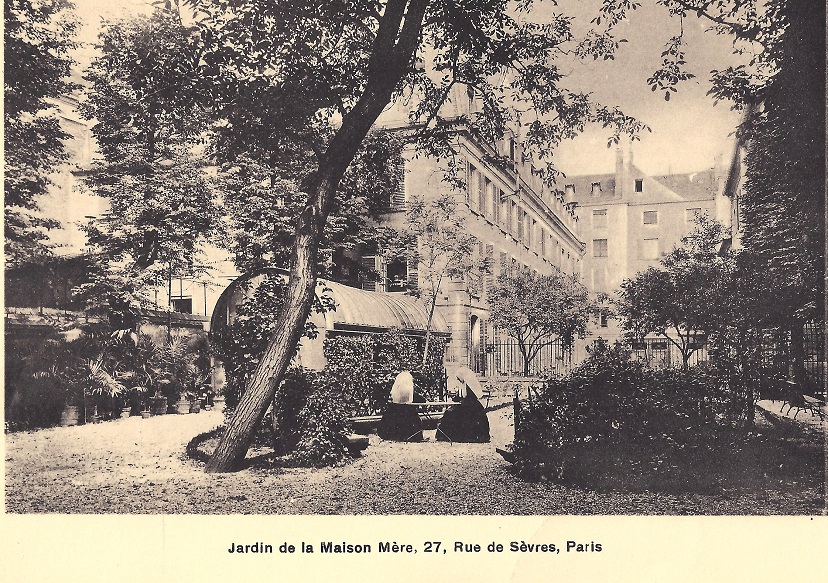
(356, 443)
(795, 399)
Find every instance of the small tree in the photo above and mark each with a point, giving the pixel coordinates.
(536, 310)
(686, 297)
(437, 242)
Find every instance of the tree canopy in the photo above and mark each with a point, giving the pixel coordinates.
(150, 129)
(37, 40)
(537, 310)
(686, 298)
(783, 204)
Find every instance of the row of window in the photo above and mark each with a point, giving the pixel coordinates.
(599, 217)
(649, 248)
(485, 198)
(399, 275)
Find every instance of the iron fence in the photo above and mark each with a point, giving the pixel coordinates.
(661, 353)
(773, 347)
(504, 358)
(775, 352)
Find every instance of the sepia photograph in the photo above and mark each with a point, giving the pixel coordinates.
(371, 258)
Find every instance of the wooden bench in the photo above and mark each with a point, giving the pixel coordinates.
(795, 399)
(427, 414)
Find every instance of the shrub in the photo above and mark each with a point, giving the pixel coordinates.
(613, 418)
(34, 392)
(310, 420)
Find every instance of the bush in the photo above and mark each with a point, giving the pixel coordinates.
(310, 420)
(35, 395)
(612, 418)
(311, 409)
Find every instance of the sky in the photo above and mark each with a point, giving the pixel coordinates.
(688, 132)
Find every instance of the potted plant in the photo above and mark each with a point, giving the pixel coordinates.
(74, 400)
(98, 383)
(182, 405)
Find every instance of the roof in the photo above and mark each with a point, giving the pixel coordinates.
(583, 187)
(691, 186)
(356, 309)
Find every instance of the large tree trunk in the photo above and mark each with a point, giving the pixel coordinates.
(392, 54)
(259, 392)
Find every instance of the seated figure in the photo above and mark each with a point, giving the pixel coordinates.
(466, 421)
(400, 421)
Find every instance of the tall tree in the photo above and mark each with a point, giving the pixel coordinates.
(37, 40)
(436, 241)
(783, 197)
(149, 127)
(538, 310)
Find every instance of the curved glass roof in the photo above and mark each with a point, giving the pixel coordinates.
(356, 310)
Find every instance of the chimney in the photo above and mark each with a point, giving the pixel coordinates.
(623, 161)
(569, 193)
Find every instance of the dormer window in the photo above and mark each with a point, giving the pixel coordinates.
(596, 187)
(639, 185)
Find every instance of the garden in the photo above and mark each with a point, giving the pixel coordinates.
(99, 374)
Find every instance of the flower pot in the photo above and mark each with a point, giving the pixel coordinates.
(182, 407)
(70, 415)
(146, 414)
(125, 412)
(158, 405)
(195, 406)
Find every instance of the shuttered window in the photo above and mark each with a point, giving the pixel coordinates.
(480, 193)
(369, 275)
(493, 194)
(490, 265)
(398, 196)
(520, 221)
(471, 177)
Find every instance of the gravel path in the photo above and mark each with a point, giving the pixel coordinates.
(138, 466)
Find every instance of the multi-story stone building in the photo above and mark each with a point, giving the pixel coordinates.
(630, 220)
(519, 223)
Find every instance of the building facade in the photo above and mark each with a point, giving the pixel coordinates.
(630, 220)
(517, 220)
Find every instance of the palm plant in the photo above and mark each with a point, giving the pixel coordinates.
(97, 381)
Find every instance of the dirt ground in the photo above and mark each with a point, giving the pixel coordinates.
(139, 466)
